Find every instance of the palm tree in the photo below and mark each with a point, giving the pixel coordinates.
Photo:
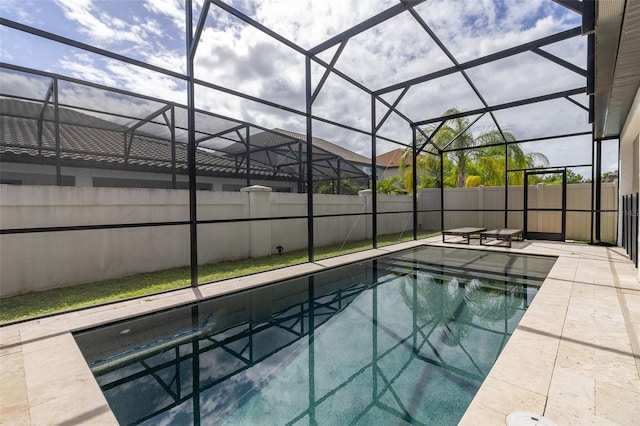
(450, 304)
(428, 169)
(456, 130)
(490, 164)
(467, 155)
(439, 303)
(390, 185)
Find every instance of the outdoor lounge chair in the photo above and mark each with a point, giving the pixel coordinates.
(501, 234)
(465, 233)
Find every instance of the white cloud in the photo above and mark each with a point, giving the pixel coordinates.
(123, 76)
(168, 59)
(174, 9)
(25, 11)
(137, 36)
(6, 56)
(18, 84)
(471, 29)
(83, 66)
(522, 76)
(149, 83)
(308, 23)
(98, 26)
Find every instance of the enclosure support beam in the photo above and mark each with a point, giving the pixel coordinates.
(452, 58)
(172, 127)
(553, 58)
(506, 185)
(47, 98)
(519, 141)
(83, 46)
(461, 133)
(247, 141)
(574, 32)
(591, 75)
(258, 26)
(148, 119)
(564, 204)
(132, 130)
(588, 16)
(339, 180)
(300, 169)
(220, 135)
(428, 138)
(392, 109)
(328, 70)
(575, 5)
(196, 37)
(414, 178)
(525, 201)
(441, 190)
(593, 178)
(598, 190)
(543, 98)
(191, 148)
(365, 25)
(309, 101)
(576, 103)
(56, 112)
(246, 156)
(208, 113)
(374, 177)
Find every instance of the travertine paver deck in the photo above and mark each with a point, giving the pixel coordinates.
(573, 358)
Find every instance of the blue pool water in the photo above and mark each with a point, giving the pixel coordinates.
(405, 338)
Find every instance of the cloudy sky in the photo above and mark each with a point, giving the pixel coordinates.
(235, 55)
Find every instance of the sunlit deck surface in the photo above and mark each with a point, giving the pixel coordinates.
(574, 357)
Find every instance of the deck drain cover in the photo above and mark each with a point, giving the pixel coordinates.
(524, 418)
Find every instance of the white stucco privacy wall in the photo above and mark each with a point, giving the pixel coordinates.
(42, 260)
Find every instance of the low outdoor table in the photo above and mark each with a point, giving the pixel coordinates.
(501, 234)
(462, 232)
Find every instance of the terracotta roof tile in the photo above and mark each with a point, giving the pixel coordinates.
(393, 158)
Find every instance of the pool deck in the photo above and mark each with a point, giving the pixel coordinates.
(574, 357)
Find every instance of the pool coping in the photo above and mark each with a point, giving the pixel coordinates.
(591, 293)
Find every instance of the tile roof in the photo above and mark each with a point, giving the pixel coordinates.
(87, 138)
(393, 158)
(97, 140)
(330, 147)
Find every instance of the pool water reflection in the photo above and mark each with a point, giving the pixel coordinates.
(404, 338)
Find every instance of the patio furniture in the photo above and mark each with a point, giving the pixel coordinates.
(501, 234)
(465, 233)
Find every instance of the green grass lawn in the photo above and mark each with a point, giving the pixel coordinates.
(78, 296)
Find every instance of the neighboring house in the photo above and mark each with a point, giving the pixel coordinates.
(361, 162)
(354, 158)
(81, 148)
(390, 163)
(341, 166)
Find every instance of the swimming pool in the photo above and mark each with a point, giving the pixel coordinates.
(403, 338)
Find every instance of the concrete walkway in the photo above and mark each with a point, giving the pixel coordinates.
(574, 357)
